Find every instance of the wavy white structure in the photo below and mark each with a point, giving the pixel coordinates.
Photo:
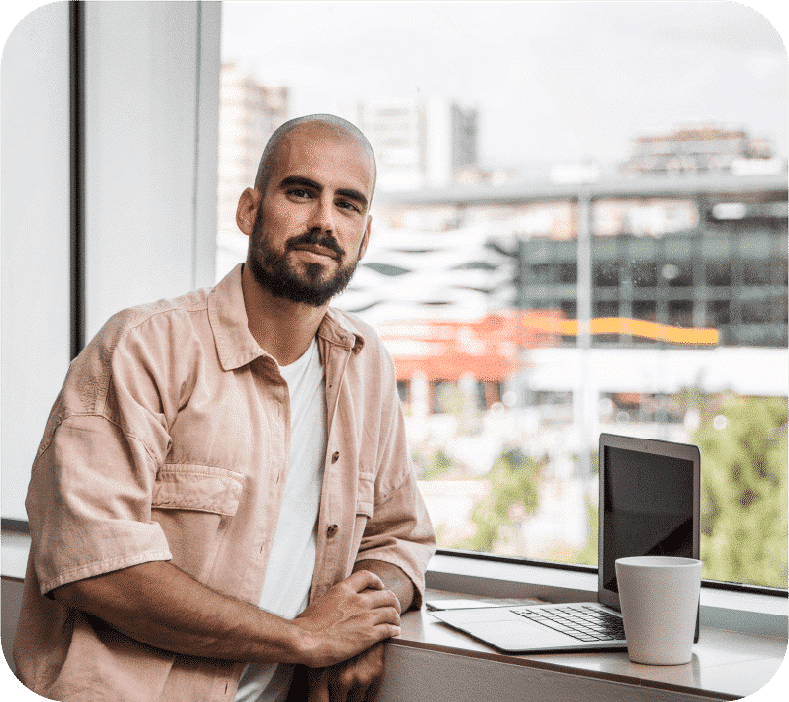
(414, 275)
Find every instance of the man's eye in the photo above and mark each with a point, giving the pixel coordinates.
(299, 192)
(347, 205)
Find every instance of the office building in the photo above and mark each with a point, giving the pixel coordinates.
(248, 115)
(418, 143)
(695, 266)
(703, 253)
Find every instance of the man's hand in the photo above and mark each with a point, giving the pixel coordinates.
(358, 679)
(354, 680)
(352, 616)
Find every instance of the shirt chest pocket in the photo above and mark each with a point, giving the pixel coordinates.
(366, 495)
(197, 488)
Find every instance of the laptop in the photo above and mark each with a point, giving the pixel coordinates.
(648, 505)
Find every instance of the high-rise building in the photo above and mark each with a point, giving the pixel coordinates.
(248, 115)
(418, 143)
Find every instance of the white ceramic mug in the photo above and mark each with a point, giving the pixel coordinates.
(659, 597)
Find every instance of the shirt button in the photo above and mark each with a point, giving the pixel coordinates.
(332, 530)
(335, 456)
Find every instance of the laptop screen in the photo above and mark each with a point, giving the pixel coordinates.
(648, 504)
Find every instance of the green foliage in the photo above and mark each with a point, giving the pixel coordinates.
(588, 554)
(594, 463)
(451, 399)
(435, 466)
(514, 493)
(743, 444)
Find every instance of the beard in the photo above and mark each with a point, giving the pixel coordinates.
(274, 272)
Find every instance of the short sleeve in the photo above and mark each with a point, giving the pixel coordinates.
(89, 503)
(89, 499)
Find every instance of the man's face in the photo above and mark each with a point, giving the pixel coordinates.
(312, 224)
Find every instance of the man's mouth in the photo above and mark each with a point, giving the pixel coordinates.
(317, 250)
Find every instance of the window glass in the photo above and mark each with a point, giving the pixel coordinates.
(556, 250)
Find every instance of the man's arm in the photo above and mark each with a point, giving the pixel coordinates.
(158, 604)
(393, 578)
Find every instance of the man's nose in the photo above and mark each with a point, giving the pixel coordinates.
(323, 215)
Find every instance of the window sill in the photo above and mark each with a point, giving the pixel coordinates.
(14, 548)
(745, 612)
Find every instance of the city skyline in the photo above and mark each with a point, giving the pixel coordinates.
(576, 81)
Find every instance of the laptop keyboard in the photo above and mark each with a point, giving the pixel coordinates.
(582, 622)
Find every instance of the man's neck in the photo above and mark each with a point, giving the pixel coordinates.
(282, 327)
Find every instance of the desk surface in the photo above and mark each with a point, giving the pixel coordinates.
(725, 665)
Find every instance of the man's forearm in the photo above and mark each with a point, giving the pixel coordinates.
(393, 577)
(158, 604)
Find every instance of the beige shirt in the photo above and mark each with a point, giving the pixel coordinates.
(169, 441)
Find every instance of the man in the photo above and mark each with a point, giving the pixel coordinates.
(223, 488)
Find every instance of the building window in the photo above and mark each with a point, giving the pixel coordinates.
(606, 275)
(511, 343)
(756, 312)
(718, 313)
(718, 274)
(755, 272)
(679, 275)
(680, 313)
(644, 274)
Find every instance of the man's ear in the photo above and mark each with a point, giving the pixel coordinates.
(247, 211)
(365, 238)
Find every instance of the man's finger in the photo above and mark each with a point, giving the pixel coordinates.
(372, 691)
(382, 598)
(319, 688)
(341, 683)
(365, 580)
(360, 693)
(385, 616)
(375, 659)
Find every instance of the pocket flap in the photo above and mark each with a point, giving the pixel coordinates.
(197, 488)
(366, 494)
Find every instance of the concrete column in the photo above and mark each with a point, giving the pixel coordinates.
(420, 396)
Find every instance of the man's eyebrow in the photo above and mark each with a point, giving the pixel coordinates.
(300, 180)
(352, 194)
(305, 182)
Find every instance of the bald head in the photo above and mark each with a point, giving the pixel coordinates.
(335, 126)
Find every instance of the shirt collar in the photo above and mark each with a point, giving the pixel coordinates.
(235, 344)
(340, 329)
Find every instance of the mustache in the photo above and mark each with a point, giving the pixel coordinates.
(314, 238)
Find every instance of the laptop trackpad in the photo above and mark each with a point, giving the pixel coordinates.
(516, 635)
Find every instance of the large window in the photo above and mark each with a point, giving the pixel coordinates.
(560, 246)
(108, 186)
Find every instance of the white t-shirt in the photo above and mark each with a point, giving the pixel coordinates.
(286, 589)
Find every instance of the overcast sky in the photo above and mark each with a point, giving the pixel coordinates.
(554, 82)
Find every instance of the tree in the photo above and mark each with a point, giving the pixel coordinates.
(588, 554)
(435, 466)
(514, 493)
(743, 444)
